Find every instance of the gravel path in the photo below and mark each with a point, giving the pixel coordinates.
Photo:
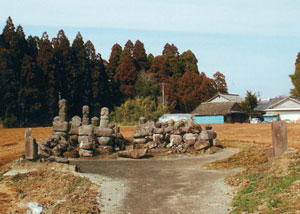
(176, 184)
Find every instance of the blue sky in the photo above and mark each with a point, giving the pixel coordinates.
(254, 43)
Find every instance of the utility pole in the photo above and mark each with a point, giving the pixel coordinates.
(163, 93)
(163, 84)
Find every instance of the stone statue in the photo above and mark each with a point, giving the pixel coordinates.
(62, 104)
(85, 115)
(104, 121)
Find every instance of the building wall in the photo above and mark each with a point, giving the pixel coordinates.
(288, 115)
(287, 104)
(209, 119)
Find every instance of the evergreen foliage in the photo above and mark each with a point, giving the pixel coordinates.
(249, 103)
(296, 78)
(35, 72)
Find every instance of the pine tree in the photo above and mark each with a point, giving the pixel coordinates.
(114, 60)
(140, 56)
(295, 78)
(126, 77)
(47, 87)
(220, 84)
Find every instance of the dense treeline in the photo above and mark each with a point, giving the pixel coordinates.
(35, 72)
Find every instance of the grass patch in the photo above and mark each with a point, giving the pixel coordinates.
(263, 186)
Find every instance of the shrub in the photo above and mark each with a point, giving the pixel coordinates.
(132, 109)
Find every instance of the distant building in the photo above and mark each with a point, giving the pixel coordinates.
(175, 117)
(283, 108)
(222, 97)
(221, 108)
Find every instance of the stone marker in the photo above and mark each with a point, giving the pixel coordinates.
(104, 121)
(62, 104)
(31, 148)
(279, 137)
(85, 115)
(95, 121)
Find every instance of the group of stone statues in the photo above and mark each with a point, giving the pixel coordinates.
(85, 138)
(78, 137)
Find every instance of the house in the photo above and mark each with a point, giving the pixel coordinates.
(283, 108)
(222, 97)
(221, 108)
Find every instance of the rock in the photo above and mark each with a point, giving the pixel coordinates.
(104, 149)
(175, 139)
(58, 159)
(139, 146)
(76, 121)
(116, 129)
(139, 141)
(188, 128)
(170, 145)
(151, 145)
(157, 138)
(149, 138)
(142, 120)
(133, 153)
(208, 127)
(207, 134)
(44, 151)
(103, 132)
(74, 130)
(171, 122)
(95, 121)
(189, 139)
(85, 130)
(85, 153)
(200, 144)
(73, 139)
(158, 125)
(179, 124)
(83, 139)
(86, 145)
(177, 131)
(58, 135)
(57, 151)
(60, 126)
(158, 130)
(169, 129)
(31, 147)
(143, 130)
(104, 141)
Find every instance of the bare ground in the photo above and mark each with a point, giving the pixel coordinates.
(168, 185)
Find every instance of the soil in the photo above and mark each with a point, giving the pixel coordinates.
(178, 184)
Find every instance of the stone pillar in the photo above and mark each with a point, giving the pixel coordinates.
(85, 115)
(62, 110)
(104, 117)
(74, 130)
(31, 147)
(279, 137)
(60, 125)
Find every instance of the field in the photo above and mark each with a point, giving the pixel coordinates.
(12, 140)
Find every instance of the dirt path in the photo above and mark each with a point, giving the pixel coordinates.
(177, 185)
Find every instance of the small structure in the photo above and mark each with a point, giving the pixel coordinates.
(218, 113)
(283, 108)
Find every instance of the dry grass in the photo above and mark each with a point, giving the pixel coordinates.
(56, 192)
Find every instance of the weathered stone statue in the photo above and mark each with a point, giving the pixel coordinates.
(95, 121)
(85, 115)
(60, 125)
(31, 147)
(62, 110)
(104, 121)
